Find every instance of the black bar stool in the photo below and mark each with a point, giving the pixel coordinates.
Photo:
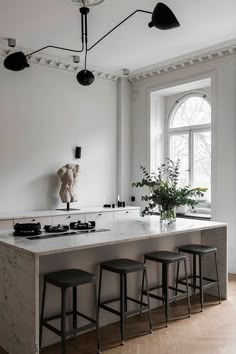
(123, 267)
(200, 251)
(166, 258)
(70, 278)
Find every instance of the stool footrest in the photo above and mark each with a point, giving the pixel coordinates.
(212, 282)
(86, 317)
(68, 313)
(80, 329)
(54, 317)
(204, 278)
(127, 313)
(110, 301)
(70, 332)
(107, 308)
(51, 328)
(161, 298)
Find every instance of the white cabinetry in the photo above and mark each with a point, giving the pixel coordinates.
(55, 217)
(100, 218)
(46, 220)
(126, 214)
(67, 219)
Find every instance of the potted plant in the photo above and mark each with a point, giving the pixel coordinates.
(164, 192)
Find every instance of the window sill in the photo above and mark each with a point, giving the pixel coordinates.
(198, 216)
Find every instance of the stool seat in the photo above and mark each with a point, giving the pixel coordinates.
(164, 256)
(123, 266)
(197, 249)
(70, 278)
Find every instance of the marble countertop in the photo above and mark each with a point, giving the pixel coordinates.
(121, 231)
(43, 213)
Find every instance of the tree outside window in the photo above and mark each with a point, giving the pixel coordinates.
(189, 139)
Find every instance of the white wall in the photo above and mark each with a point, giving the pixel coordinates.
(44, 114)
(223, 75)
(124, 138)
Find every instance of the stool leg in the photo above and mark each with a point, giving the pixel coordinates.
(97, 318)
(217, 277)
(42, 314)
(187, 289)
(74, 309)
(142, 289)
(194, 274)
(165, 277)
(63, 321)
(201, 282)
(126, 305)
(148, 300)
(99, 289)
(177, 281)
(163, 285)
(122, 307)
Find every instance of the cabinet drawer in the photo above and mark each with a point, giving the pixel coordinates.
(100, 218)
(6, 224)
(47, 220)
(126, 214)
(66, 219)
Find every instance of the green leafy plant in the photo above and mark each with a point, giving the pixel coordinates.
(163, 189)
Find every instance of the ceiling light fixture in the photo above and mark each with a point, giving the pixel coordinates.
(162, 18)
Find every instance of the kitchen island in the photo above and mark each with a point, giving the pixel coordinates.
(23, 262)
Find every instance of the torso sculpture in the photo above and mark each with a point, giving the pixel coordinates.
(69, 182)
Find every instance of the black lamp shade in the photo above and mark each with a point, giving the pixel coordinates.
(16, 61)
(78, 152)
(85, 77)
(163, 18)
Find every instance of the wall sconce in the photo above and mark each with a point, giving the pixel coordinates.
(78, 152)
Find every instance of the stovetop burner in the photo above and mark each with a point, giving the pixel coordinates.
(57, 228)
(27, 229)
(82, 225)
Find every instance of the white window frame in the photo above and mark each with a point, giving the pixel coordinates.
(190, 130)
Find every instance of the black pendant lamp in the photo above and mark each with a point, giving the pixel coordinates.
(16, 61)
(162, 18)
(85, 77)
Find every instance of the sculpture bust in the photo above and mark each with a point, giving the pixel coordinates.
(69, 182)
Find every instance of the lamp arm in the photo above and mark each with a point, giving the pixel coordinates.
(62, 48)
(120, 23)
(55, 47)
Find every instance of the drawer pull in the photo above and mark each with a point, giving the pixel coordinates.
(33, 220)
(68, 217)
(99, 214)
(127, 212)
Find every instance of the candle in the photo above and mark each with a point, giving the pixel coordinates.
(118, 198)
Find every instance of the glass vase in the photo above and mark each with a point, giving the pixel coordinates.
(167, 214)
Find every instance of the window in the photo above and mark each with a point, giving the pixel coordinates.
(189, 139)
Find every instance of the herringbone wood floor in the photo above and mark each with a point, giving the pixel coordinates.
(210, 332)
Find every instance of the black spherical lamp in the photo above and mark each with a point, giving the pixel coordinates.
(85, 77)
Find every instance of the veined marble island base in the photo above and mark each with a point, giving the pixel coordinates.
(23, 262)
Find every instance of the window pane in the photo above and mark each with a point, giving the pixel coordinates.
(179, 149)
(192, 111)
(202, 162)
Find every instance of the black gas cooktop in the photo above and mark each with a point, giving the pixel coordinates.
(33, 231)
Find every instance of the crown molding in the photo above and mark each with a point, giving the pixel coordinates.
(194, 58)
(54, 62)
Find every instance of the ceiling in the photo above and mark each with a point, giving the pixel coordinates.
(36, 23)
